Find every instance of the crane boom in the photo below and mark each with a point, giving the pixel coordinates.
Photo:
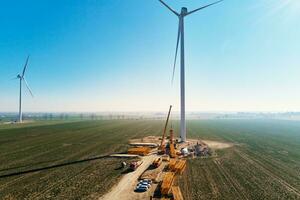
(165, 129)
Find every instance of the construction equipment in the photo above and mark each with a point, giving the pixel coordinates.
(157, 162)
(135, 164)
(142, 151)
(162, 147)
(167, 183)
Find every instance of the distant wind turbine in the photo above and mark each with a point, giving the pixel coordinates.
(22, 78)
(180, 38)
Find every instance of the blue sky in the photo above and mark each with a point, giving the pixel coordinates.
(104, 55)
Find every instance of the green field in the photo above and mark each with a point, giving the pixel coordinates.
(263, 164)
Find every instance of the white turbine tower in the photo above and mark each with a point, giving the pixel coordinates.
(180, 38)
(22, 78)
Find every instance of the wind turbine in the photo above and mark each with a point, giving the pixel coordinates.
(180, 38)
(22, 79)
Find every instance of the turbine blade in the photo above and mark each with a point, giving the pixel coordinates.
(28, 86)
(176, 52)
(203, 7)
(25, 66)
(173, 11)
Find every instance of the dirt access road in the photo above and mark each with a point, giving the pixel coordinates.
(125, 188)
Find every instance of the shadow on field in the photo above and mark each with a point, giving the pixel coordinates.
(53, 166)
(127, 171)
(30, 165)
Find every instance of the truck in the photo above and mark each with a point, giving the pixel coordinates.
(135, 164)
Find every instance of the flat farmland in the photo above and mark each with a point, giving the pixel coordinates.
(264, 162)
(36, 146)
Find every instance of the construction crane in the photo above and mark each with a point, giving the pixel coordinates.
(162, 147)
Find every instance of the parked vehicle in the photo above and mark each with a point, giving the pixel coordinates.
(134, 165)
(146, 184)
(143, 185)
(140, 189)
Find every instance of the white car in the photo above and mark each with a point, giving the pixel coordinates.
(146, 183)
(144, 186)
(147, 180)
(141, 189)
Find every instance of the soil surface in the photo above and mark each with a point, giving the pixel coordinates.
(217, 145)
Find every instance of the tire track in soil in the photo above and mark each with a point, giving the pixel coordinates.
(2, 187)
(85, 137)
(89, 148)
(260, 166)
(214, 186)
(5, 185)
(275, 163)
(235, 185)
(39, 139)
(32, 174)
(60, 182)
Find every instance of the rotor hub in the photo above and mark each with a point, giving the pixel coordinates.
(184, 10)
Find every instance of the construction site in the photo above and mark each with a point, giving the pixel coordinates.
(156, 164)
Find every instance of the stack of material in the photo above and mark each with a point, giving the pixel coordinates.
(167, 183)
(142, 151)
(180, 166)
(177, 195)
(172, 164)
(144, 144)
(172, 151)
